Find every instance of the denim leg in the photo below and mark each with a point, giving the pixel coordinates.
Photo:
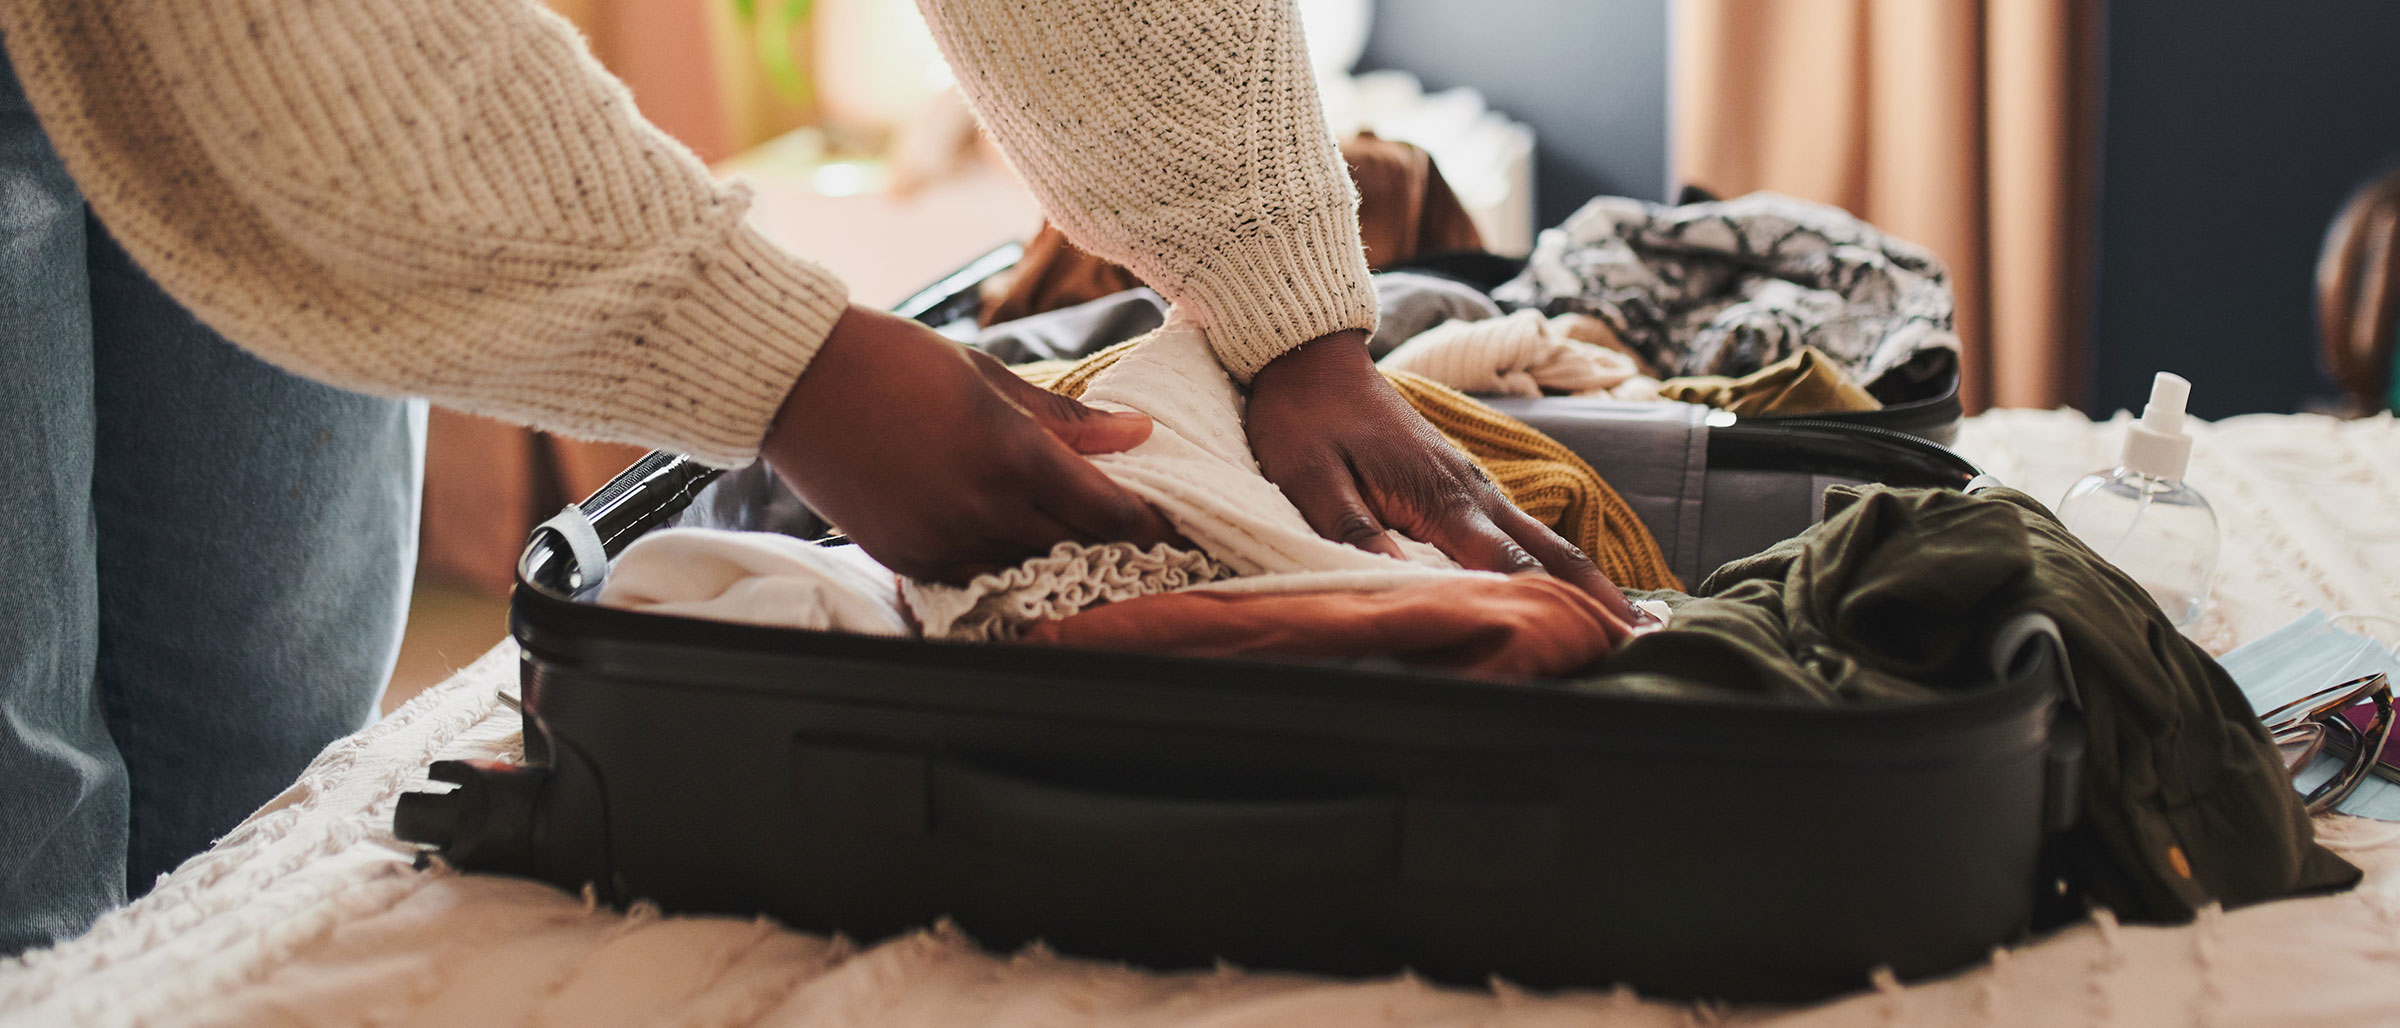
(257, 532)
(62, 786)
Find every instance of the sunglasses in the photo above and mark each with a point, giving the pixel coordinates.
(2320, 722)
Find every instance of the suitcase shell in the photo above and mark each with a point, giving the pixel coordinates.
(1342, 819)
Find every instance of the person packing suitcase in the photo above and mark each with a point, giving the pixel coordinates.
(449, 199)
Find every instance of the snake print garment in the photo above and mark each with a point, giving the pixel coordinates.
(1729, 286)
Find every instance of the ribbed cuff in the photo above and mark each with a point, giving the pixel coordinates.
(1282, 293)
(727, 353)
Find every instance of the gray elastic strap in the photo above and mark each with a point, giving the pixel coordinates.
(591, 555)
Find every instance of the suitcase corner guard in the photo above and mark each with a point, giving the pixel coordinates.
(508, 818)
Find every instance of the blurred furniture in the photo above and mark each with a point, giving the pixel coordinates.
(1966, 126)
(1485, 157)
(2358, 297)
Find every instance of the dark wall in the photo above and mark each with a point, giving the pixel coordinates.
(2231, 132)
(1590, 76)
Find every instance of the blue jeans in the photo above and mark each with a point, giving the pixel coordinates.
(204, 562)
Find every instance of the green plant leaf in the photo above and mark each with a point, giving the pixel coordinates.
(774, 42)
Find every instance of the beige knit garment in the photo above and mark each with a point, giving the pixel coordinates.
(1183, 140)
(450, 198)
(444, 197)
(1522, 354)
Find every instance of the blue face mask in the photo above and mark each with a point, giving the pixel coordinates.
(2300, 658)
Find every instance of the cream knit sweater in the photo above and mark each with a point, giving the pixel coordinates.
(450, 198)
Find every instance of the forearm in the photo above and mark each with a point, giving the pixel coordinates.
(439, 197)
(1183, 140)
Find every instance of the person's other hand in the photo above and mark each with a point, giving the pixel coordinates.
(1357, 459)
(940, 462)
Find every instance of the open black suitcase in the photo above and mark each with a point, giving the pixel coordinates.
(1351, 819)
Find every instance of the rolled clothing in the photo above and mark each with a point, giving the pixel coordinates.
(1526, 354)
(1520, 354)
(1413, 301)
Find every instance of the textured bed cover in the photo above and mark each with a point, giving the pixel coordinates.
(310, 914)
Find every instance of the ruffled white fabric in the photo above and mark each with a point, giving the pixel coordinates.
(998, 605)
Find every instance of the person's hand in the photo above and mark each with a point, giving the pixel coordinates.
(940, 462)
(1357, 459)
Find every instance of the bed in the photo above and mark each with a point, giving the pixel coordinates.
(311, 913)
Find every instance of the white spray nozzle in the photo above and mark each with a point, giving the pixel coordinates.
(2157, 445)
(2169, 392)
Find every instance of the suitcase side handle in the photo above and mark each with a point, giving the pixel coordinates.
(1349, 835)
(2028, 647)
(844, 789)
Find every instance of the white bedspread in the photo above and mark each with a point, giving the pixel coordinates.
(310, 914)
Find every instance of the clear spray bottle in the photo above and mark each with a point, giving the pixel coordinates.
(2142, 517)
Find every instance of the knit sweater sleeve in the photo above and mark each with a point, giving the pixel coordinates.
(436, 197)
(1184, 140)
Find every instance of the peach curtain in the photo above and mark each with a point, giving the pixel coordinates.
(694, 68)
(1964, 125)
